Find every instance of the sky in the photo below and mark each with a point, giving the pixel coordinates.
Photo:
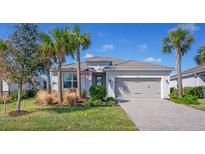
(129, 41)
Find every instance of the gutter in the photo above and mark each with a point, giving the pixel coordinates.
(194, 73)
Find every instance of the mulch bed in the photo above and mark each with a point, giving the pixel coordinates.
(18, 113)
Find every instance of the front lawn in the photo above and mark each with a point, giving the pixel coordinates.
(201, 106)
(65, 118)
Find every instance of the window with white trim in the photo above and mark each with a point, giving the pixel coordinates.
(69, 80)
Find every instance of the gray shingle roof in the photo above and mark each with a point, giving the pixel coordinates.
(138, 65)
(192, 70)
(104, 59)
(117, 64)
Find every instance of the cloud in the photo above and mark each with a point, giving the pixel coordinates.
(153, 60)
(142, 47)
(107, 47)
(89, 55)
(190, 27)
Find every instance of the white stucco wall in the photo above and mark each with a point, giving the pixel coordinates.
(86, 81)
(164, 75)
(189, 81)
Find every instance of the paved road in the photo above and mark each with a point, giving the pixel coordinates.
(159, 114)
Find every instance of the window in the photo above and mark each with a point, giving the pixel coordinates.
(69, 81)
(99, 80)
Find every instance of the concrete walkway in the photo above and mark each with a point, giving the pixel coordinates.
(159, 114)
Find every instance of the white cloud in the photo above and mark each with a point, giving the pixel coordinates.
(107, 47)
(153, 60)
(89, 55)
(143, 47)
(190, 27)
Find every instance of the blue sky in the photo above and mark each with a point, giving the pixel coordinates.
(129, 41)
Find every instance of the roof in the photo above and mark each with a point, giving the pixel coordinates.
(138, 65)
(117, 64)
(197, 69)
(104, 59)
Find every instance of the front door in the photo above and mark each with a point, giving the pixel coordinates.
(99, 79)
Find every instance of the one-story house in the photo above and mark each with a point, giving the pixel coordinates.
(192, 77)
(123, 78)
(40, 83)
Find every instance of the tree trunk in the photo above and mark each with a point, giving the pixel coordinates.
(48, 82)
(18, 106)
(1, 88)
(60, 95)
(179, 74)
(78, 74)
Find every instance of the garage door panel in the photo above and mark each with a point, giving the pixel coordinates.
(137, 88)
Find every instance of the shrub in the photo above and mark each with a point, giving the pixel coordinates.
(110, 103)
(69, 98)
(186, 99)
(25, 94)
(7, 99)
(14, 95)
(97, 92)
(89, 103)
(110, 99)
(42, 98)
(195, 91)
(199, 91)
(174, 94)
(93, 103)
(31, 93)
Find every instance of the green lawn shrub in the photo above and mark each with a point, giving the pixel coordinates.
(98, 92)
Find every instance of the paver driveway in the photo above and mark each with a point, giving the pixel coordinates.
(159, 114)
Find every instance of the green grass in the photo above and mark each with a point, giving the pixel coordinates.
(51, 118)
(201, 106)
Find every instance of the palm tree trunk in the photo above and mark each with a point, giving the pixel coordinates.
(1, 88)
(48, 86)
(60, 95)
(18, 105)
(78, 73)
(179, 74)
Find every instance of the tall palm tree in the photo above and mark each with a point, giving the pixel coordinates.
(180, 40)
(200, 57)
(46, 50)
(62, 47)
(79, 40)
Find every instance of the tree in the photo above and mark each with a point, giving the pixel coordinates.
(2, 47)
(20, 56)
(62, 46)
(200, 57)
(79, 40)
(180, 40)
(46, 52)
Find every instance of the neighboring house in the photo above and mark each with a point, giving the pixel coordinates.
(123, 78)
(191, 77)
(10, 87)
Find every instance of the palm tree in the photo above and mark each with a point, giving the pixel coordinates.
(79, 40)
(46, 50)
(180, 40)
(200, 57)
(62, 47)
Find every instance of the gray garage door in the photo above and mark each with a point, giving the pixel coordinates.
(126, 88)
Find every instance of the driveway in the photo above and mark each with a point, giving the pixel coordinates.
(159, 114)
